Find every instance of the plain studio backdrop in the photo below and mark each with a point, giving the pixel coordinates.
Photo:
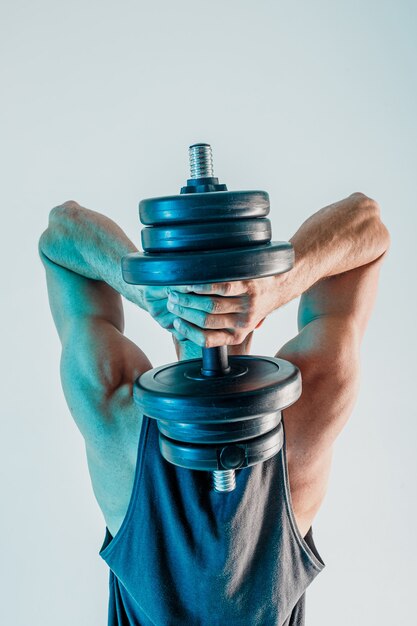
(310, 101)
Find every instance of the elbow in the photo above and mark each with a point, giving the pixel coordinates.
(63, 213)
(42, 244)
(369, 214)
(58, 220)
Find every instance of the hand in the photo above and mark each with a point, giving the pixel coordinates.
(219, 314)
(154, 300)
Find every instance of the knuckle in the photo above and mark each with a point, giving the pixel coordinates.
(251, 319)
(208, 342)
(239, 336)
(241, 322)
(251, 286)
(184, 330)
(214, 306)
(251, 313)
(227, 288)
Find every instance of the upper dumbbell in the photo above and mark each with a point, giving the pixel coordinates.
(206, 234)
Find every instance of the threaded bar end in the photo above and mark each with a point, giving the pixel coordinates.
(201, 161)
(224, 480)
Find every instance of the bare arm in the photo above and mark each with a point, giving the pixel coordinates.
(89, 244)
(340, 237)
(92, 245)
(339, 252)
(81, 253)
(332, 318)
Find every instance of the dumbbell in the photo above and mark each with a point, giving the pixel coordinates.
(219, 413)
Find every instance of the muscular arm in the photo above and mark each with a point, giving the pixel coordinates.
(327, 351)
(338, 238)
(332, 319)
(81, 253)
(89, 244)
(338, 252)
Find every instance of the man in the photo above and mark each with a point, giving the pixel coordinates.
(179, 553)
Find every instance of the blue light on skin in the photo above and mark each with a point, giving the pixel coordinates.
(191, 348)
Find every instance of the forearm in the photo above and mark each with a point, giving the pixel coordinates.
(91, 245)
(336, 239)
(341, 237)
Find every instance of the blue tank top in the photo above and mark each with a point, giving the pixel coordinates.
(188, 555)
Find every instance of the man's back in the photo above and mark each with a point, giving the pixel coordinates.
(186, 554)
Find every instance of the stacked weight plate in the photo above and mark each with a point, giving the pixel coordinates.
(206, 237)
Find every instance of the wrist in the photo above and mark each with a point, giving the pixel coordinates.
(298, 279)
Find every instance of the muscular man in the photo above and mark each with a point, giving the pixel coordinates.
(186, 554)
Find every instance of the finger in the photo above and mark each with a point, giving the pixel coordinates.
(205, 339)
(166, 320)
(205, 320)
(156, 292)
(181, 288)
(210, 304)
(157, 307)
(233, 288)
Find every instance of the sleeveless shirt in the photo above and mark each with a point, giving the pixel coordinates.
(186, 555)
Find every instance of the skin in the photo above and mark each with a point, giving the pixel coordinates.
(339, 251)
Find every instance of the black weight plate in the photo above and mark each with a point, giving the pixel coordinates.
(225, 432)
(256, 385)
(203, 207)
(206, 235)
(187, 268)
(207, 458)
